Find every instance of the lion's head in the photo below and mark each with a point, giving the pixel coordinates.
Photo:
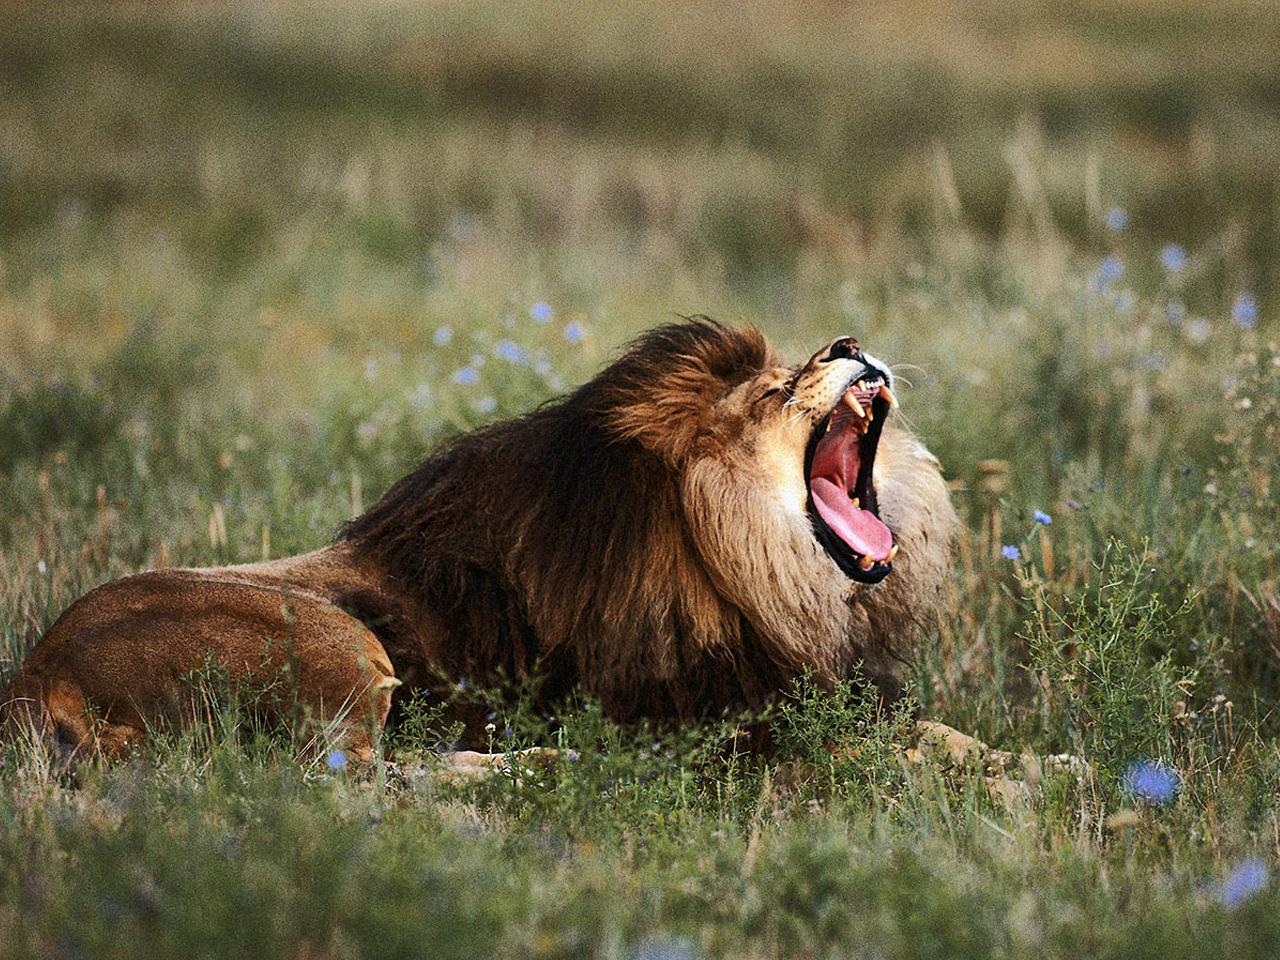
(687, 531)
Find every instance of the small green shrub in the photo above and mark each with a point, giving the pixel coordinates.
(1109, 680)
(851, 741)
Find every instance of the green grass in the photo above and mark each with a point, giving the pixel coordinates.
(243, 253)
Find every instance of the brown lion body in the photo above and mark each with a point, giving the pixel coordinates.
(646, 538)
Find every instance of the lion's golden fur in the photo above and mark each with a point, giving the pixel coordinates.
(644, 538)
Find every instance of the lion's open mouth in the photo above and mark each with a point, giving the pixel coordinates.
(842, 497)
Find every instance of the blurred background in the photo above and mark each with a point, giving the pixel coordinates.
(256, 258)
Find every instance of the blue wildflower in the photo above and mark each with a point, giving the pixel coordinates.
(1109, 271)
(1153, 362)
(466, 376)
(443, 335)
(1244, 311)
(1010, 552)
(421, 396)
(509, 350)
(1151, 781)
(1173, 258)
(336, 760)
(574, 332)
(666, 948)
(1041, 517)
(1248, 878)
(486, 404)
(1117, 219)
(541, 312)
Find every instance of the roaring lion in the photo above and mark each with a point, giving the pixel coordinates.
(687, 532)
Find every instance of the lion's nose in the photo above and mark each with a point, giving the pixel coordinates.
(846, 348)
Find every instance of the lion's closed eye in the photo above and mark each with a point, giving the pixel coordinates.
(770, 392)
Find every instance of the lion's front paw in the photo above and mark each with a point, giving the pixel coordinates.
(1012, 779)
(469, 765)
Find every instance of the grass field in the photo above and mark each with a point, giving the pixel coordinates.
(256, 259)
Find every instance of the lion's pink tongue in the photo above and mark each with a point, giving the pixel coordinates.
(860, 529)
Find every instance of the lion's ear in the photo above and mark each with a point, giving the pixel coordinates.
(662, 391)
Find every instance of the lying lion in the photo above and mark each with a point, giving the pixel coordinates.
(686, 533)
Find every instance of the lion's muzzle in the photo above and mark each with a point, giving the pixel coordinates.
(841, 459)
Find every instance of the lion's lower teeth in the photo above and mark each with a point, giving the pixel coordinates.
(866, 563)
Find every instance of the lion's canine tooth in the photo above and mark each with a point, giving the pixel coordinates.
(888, 395)
(866, 563)
(852, 403)
(857, 504)
(893, 552)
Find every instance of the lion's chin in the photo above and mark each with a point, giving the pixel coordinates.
(842, 497)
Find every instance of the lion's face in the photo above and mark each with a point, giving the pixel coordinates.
(807, 438)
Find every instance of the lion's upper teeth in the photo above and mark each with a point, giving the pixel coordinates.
(888, 395)
(852, 403)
